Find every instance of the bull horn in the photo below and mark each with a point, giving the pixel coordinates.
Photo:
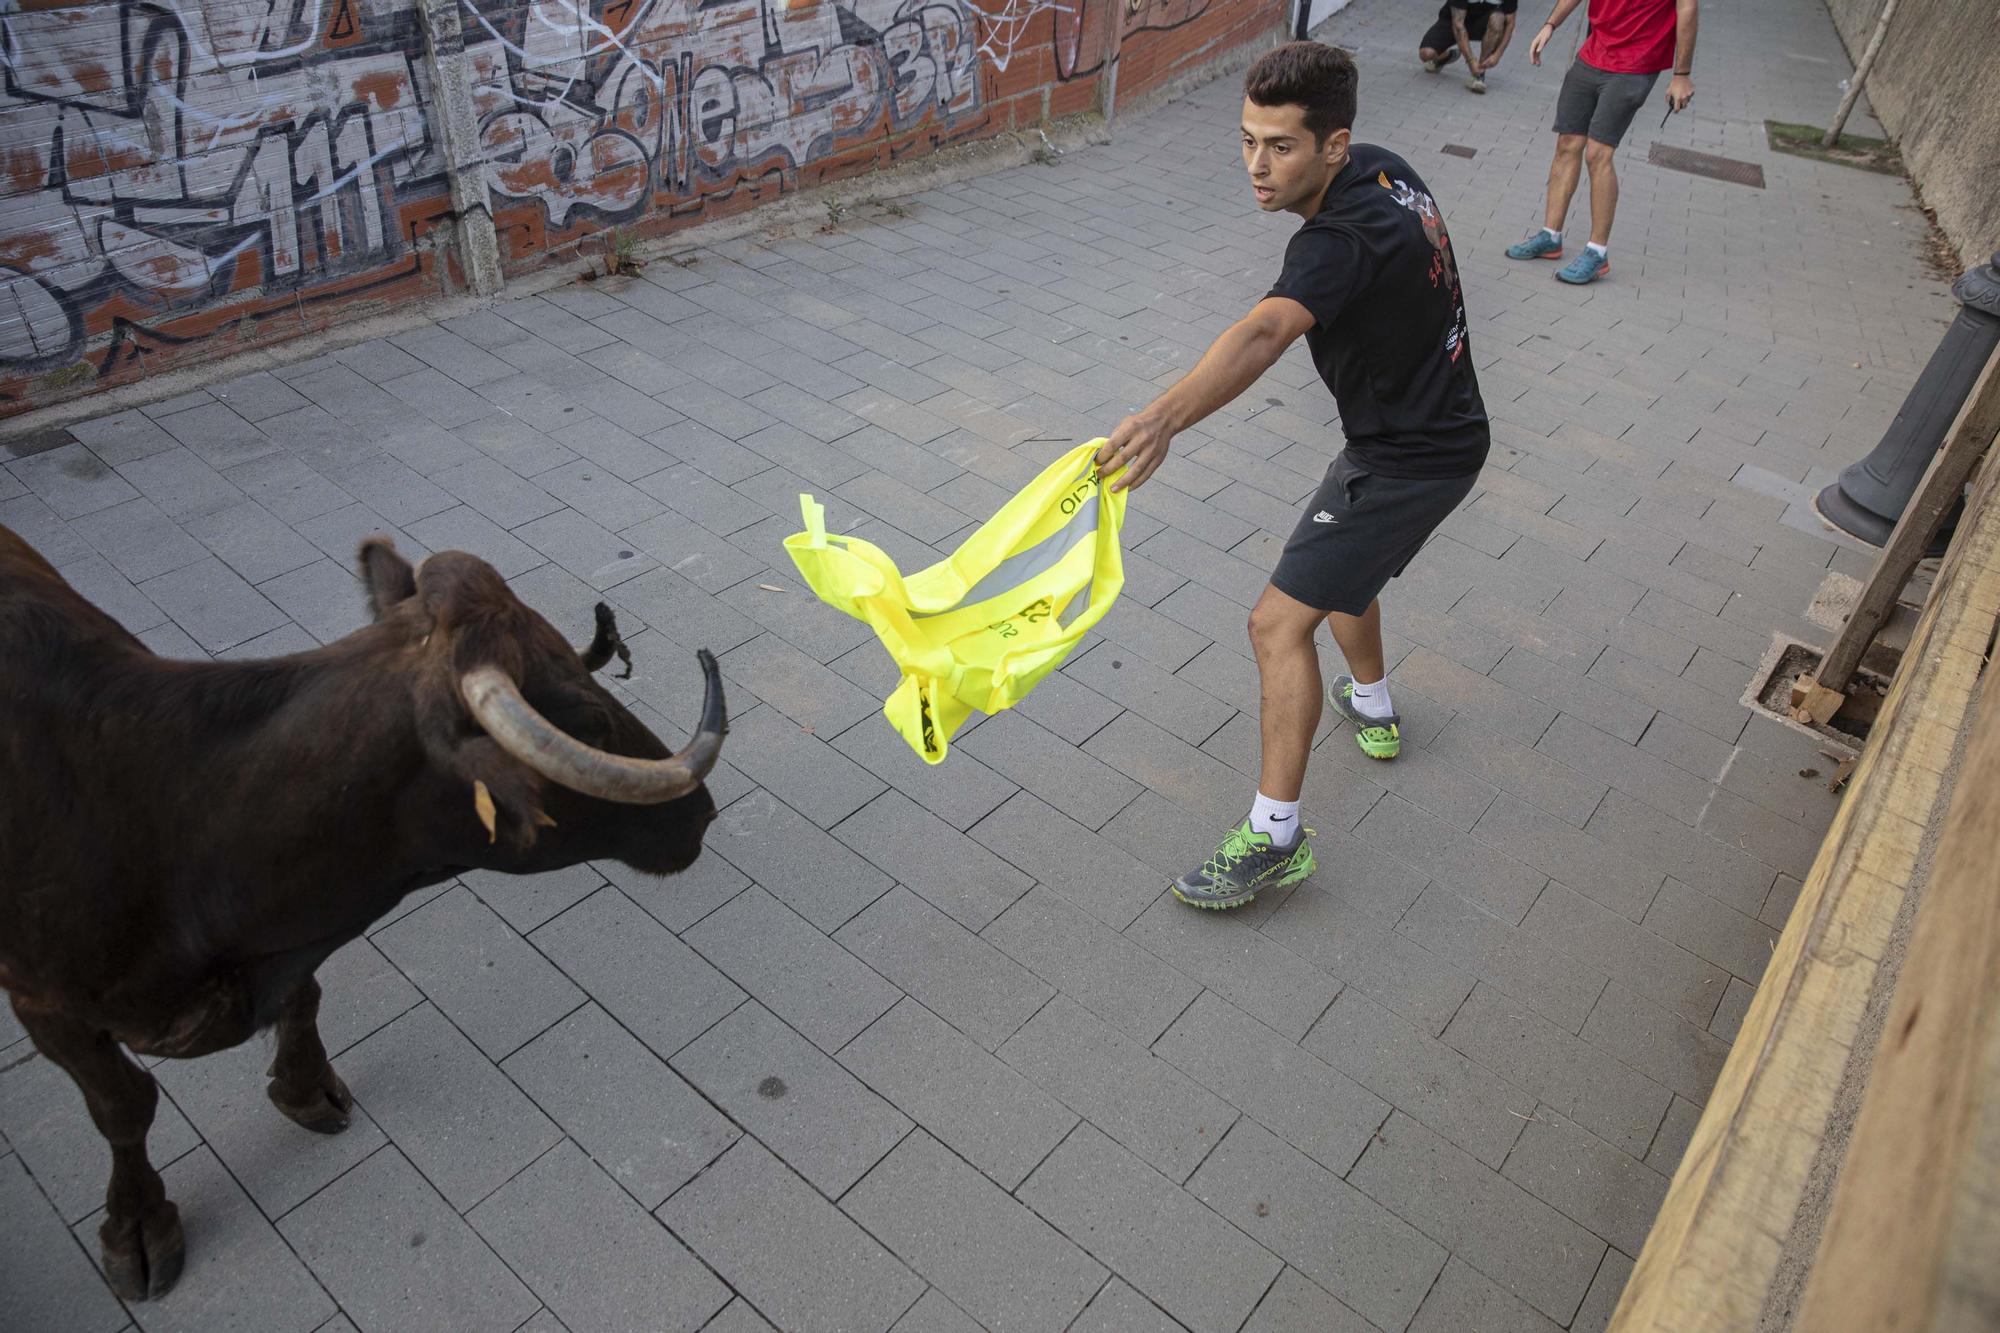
(513, 723)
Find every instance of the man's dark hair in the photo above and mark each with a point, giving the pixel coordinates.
(1313, 75)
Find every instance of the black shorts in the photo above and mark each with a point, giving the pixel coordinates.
(1600, 104)
(1439, 37)
(1360, 530)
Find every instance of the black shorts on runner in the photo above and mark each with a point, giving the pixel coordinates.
(1600, 104)
(1439, 37)
(1360, 530)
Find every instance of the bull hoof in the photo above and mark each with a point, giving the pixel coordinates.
(321, 1106)
(142, 1259)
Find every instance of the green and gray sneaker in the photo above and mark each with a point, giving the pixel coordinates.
(1244, 865)
(1378, 737)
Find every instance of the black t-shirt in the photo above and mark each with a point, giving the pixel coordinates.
(1374, 268)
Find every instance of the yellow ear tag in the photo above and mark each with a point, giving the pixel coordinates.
(482, 802)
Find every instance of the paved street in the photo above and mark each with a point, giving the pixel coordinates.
(933, 1049)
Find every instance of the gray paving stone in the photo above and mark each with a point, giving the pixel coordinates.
(635, 1117)
(1605, 1289)
(1607, 707)
(45, 1280)
(799, 768)
(378, 359)
(1124, 984)
(1197, 1267)
(446, 351)
(1554, 984)
(1464, 1298)
(139, 540)
(1108, 883)
(1599, 869)
(42, 1114)
(809, 870)
(1249, 969)
(1117, 1308)
(598, 490)
(1194, 779)
(466, 529)
(1676, 1131)
(823, 1121)
(1158, 1113)
(1608, 1097)
(677, 901)
(1661, 784)
(252, 541)
(392, 489)
(1343, 932)
(1313, 1106)
(604, 560)
(1524, 1245)
(1518, 769)
(658, 987)
(1038, 761)
(360, 993)
(241, 1275)
(527, 902)
(1370, 1259)
(35, 523)
(794, 970)
(935, 1314)
(951, 971)
(740, 1317)
(447, 1107)
(979, 1107)
(665, 599)
(1652, 839)
(339, 533)
(1665, 1047)
(1295, 1304)
(124, 437)
(934, 860)
(963, 1233)
(1564, 1164)
(323, 598)
(1150, 690)
(494, 988)
(1475, 865)
(397, 1257)
(213, 604)
(1471, 1106)
(1735, 1007)
(1637, 955)
(591, 1253)
(787, 1250)
(72, 480)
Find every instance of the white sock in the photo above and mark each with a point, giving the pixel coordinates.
(1554, 235)
(1280, 819)
(1602, 250)
(1373, 700)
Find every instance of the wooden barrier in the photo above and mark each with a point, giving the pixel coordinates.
(1716, 1243)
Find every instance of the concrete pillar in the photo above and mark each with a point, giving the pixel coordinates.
(458, 135)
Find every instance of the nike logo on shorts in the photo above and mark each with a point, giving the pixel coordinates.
(1323, 517)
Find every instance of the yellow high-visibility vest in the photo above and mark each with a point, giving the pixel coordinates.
(978, 629)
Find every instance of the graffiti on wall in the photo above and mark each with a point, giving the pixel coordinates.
(174, 168)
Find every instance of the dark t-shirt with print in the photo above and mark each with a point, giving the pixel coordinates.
(1374, 268)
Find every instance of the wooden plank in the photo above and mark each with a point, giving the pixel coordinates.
(1913, 1238)
(1715, 1245)
(1971, 433)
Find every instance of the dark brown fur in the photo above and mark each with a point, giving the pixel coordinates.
(182, 844)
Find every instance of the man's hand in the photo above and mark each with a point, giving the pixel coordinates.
(1680, 92)
(1134, 451)
(1541, 40)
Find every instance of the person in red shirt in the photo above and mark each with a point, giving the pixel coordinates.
(1629, 43)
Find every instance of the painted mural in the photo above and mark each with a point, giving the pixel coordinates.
(180, 173)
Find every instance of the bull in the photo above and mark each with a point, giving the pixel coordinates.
(182, 844)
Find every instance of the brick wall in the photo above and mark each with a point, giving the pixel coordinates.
(188, 179)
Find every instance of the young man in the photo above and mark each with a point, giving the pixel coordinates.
(1629, 43)
(1459, 24)
(1369, 280)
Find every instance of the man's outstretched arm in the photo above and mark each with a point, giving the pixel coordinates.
(1249, 347)
(1687, 17)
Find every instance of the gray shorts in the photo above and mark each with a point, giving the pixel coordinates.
(1360, 530)
(1599, 103)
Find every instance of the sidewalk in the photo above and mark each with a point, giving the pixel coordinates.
(934, 1048)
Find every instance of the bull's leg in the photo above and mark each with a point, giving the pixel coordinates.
(303, 1084)
(141, 1235)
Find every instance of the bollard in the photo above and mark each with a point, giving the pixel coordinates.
(1870, 495)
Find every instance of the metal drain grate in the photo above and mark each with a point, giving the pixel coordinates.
(1706, 164)
(1459, 150)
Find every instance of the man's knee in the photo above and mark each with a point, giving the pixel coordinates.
(1273, 625)
(1597, 156)
(1569, 145)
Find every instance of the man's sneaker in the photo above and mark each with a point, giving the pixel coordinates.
(1378, 737)
(1539, 246)
(1450, 54)
(1586, 267)
(1475, 83)
(1243, 866)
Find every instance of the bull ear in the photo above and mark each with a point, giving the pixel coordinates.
(388, 576)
